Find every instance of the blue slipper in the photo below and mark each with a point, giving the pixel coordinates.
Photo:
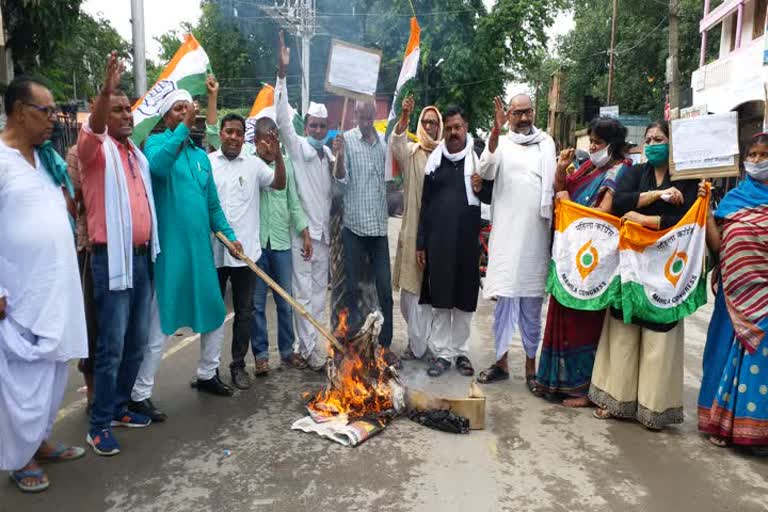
(62, 453)
(18, 476)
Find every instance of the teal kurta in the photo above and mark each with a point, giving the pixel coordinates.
(188, 210)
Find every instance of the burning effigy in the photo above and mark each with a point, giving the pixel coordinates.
(363, 393)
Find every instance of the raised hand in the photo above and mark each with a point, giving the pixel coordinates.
(408, 104)
(500, 114)
(566, 158)
(115, 69)
(212, 85)
(338, 145)
(283, 56)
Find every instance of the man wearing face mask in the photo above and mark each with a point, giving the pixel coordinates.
(239, 178)
(522, 165)
(313, 164)
(186, 283)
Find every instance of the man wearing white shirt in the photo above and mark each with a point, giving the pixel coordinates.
(522, 165)
(239, 177)
(313, 164)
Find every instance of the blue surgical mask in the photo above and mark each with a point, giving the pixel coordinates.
(315, 143)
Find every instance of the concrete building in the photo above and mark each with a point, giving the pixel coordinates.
(732, 78)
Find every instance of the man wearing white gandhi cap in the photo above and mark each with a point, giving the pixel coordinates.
(186, 283)
(313, 163)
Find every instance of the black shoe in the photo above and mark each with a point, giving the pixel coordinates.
(438, 367)
(147, 408)
(214, 386)
(240, 378)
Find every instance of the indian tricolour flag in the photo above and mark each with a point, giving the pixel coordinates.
(584, 271)
(663, 274)
(407, 73)
(187, 70)
(264, 106)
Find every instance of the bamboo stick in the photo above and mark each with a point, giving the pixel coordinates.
(341, 130)
(279, 290)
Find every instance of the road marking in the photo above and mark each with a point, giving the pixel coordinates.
(79, 404)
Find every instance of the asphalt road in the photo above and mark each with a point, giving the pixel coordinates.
(239, 454)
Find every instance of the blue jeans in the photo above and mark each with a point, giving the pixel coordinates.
(123, 318)
(278, 265)
(358, 250)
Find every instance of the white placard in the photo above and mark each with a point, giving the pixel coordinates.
(610, 111)
(705, 142)
(353, 69)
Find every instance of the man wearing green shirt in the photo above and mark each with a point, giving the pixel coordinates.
(280, 212)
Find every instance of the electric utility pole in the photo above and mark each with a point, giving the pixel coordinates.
(612, 52)
(674, 50)
(139, 51)
(298, 18)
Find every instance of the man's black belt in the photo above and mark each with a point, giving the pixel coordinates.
(140, 250)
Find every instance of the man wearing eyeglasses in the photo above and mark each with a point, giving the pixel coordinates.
(313, 165)
(42, 325)
(412, 159)
(522, 164)
(122, 228)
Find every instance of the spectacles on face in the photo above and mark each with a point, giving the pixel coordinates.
(517, 114)
(429, 122)
(47, 110)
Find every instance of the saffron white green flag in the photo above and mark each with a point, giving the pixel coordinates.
(584, 271)
(264, 106)
(407, 74)
(663, 274)
(187, 70)
(656, 276)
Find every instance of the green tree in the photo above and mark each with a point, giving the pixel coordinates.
(35, 27)
(641, 53)
(75, 68)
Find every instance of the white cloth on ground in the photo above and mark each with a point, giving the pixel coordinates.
(210, 354)
(239, 183)
(117, 209)
(450, 333)
(310, 289)
(470, 165)
(519, 249)
(418, 317)
(510, 313)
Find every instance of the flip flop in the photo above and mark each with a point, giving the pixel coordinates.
(19, 476)
(494, 373)
(62, 453)
(464, 365)
(533, 386)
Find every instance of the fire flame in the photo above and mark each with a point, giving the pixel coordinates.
(360, 387)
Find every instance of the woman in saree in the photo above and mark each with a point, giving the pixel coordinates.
(571, 336)
(733, 401)
(638, 370)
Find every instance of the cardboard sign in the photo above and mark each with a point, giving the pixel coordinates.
(706, 146)
(353, 71)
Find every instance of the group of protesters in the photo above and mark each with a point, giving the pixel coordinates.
(145, 260)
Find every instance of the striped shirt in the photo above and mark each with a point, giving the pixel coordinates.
(365, 197)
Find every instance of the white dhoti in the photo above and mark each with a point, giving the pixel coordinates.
(210, 354)
(45, 323)
(30, 396)
(419, 320)
(310, 289)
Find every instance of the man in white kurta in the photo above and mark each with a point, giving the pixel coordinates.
(312, 163)
(522, 166)
(42, 321)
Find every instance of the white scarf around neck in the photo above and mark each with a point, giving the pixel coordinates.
(118, 215)
(436, 158)
(548, 164)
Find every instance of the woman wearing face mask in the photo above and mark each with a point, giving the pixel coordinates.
(638, 369)
(571, 336)
(733, 402)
